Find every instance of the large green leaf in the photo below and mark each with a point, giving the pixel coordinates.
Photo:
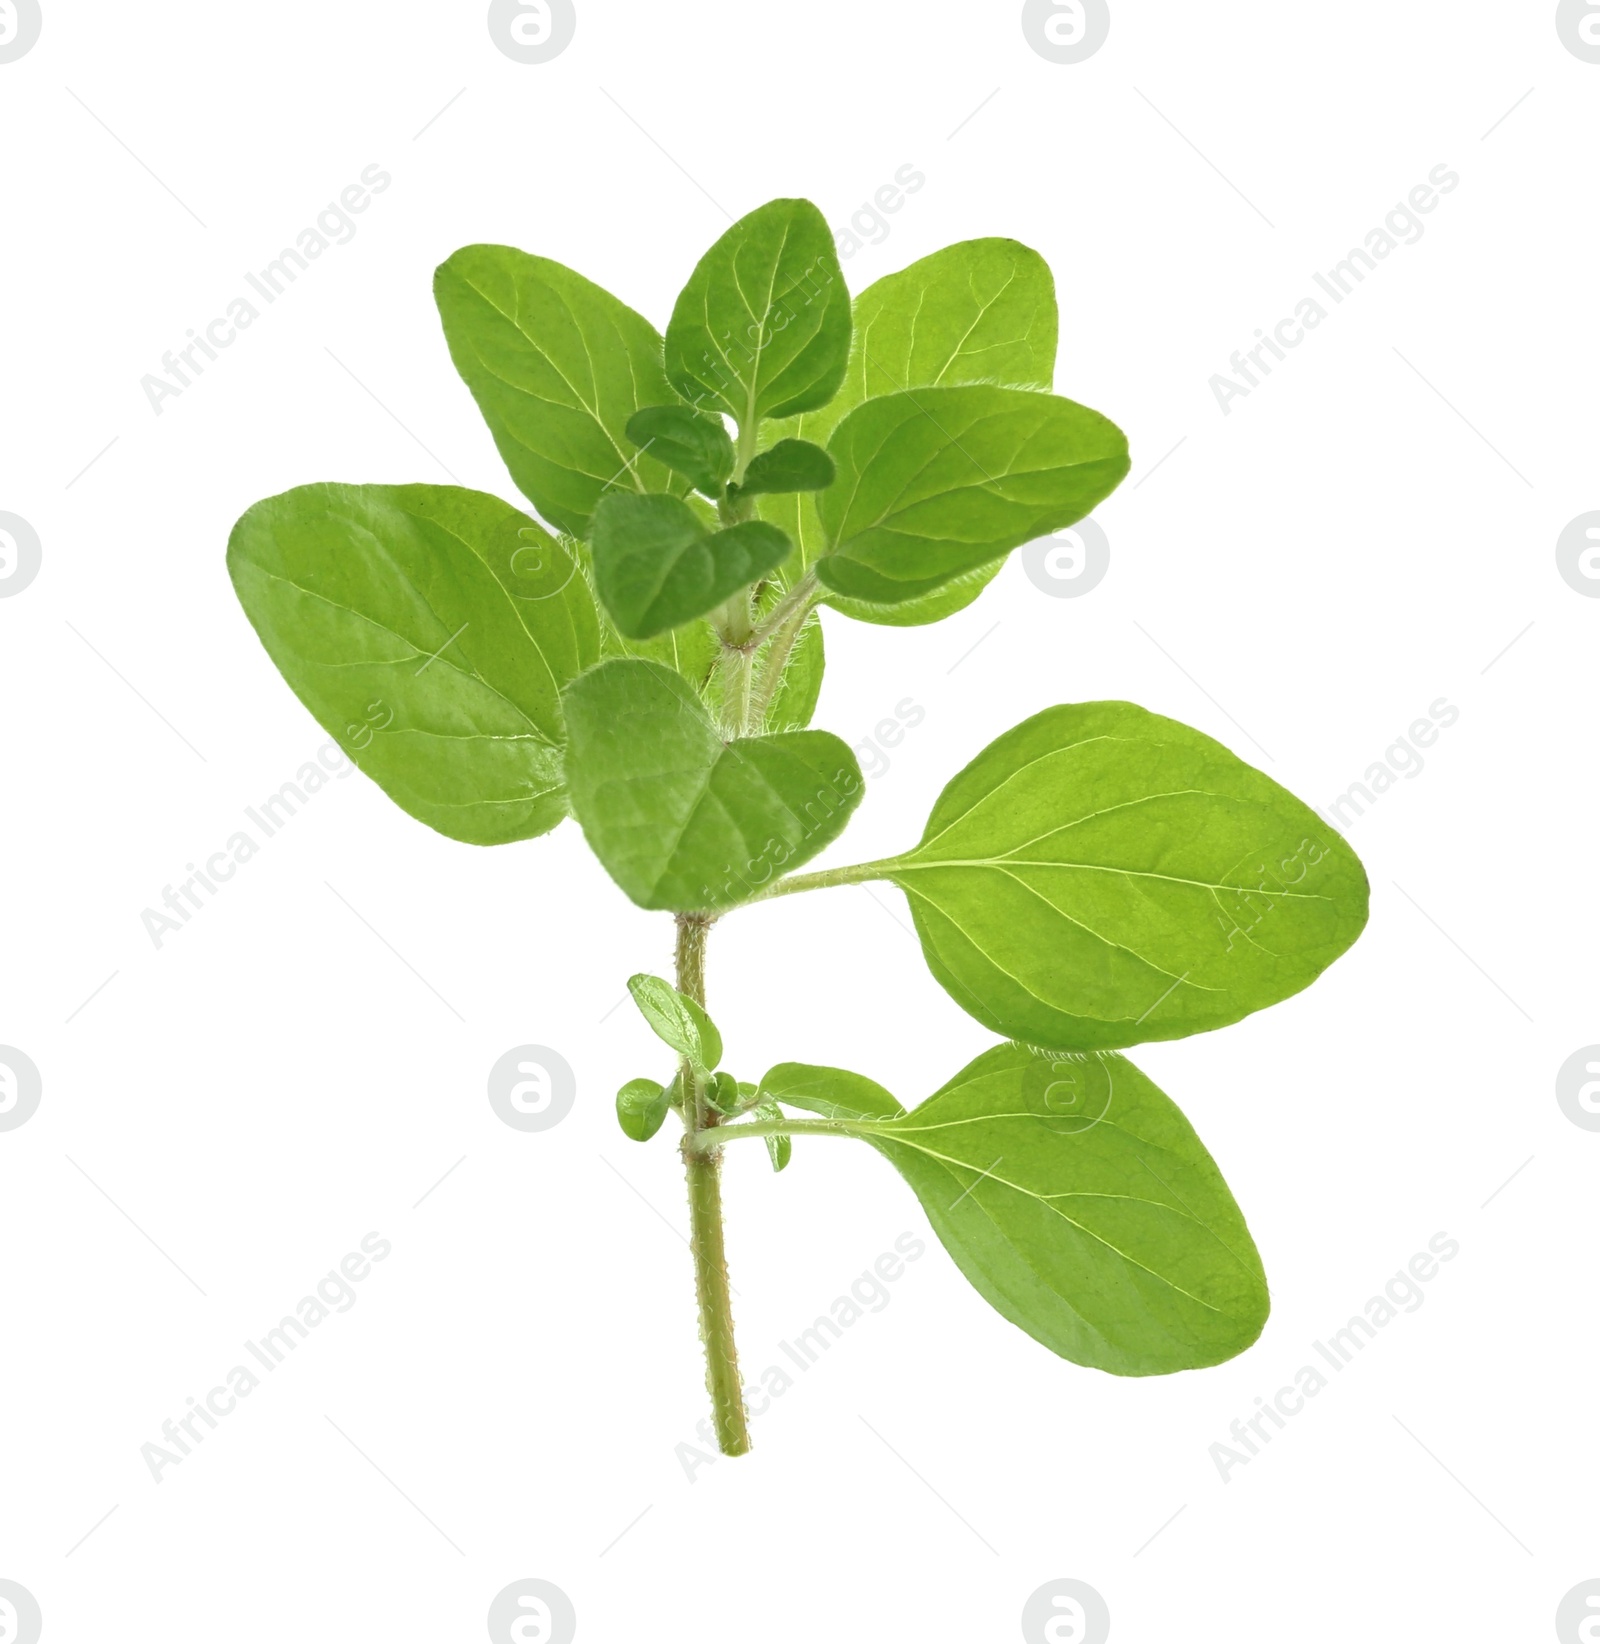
(762, 329)
(680, 818)
(430, 631)
(939, 481)
(1081, 1205)
(1101, 876)
(955, 595)
(558, 366)
(977, 311)
(656, 567)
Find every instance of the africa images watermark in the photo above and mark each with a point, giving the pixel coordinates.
(335, 225)
(270, 817)
(20, 558)
(869, 223)
(1402, 226)
(335, 1293)
(531, 31)
(1402, 1294)
(1402, 758)
(872, 751)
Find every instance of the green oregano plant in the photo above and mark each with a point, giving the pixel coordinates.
(648, 658)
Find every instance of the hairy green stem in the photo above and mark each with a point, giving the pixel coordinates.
(799, 599)
(703, 1166)
(737, 666)
(785, 626)
(857, 874)
(732, 619)
(749, 433)
(778, 1127)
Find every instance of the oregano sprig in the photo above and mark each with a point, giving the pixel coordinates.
(645, 657)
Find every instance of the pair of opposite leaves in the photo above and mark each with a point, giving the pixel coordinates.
(1099, 876)
(1071, 1192)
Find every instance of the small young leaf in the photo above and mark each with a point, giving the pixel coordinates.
(762, 329)
(690, 444)
(656, 567)
(642, 1104)
(780, 1147)
(1081, 1205)
(790, 465)
(677, 1020)
(681, 819)
(429, 630)
(829, 1091)
(1101, 876)
(722, 1092)
(558, 366)
(939, 481)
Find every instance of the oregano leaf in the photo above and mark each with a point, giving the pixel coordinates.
(688, 442)
(1081, 1205)
(831, 1092)
(790, 465)
(656, 566)
(945, 600)
(677, 1021)
(681, 818)
(978, 311)
(1100, 876)
(722, 1092)
(642, 1105)
(429, 630)
(779, 1147)
(936, 482)
(762, 329)
(558, 366)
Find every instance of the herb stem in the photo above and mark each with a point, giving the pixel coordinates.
(702, 1162)
(799, 599)
(784, 627)
(779, 1127)
(749, 433)
(857, 874)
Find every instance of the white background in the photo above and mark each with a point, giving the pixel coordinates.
(1361, 536)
